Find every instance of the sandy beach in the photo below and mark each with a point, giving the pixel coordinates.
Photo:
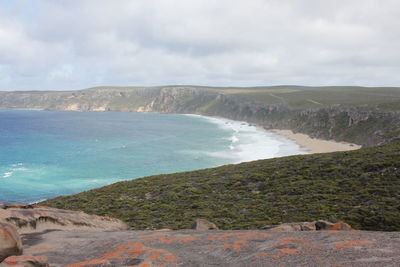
(314, 145)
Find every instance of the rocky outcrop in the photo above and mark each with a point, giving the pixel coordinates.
(83, 248)
(25, 261)
(342, 226)
(216, 248)
(325, 225)
(310, 226)
(300, 226)
(203, 225)
(10, 241)
(33, 218)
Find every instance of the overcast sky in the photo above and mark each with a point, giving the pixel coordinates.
(74, 44)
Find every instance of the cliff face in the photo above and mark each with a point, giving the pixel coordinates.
(361, 125)
(96, 99)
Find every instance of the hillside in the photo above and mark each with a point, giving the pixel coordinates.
(360, 187)
(366, 116)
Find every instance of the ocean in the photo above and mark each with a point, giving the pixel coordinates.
(44, 154)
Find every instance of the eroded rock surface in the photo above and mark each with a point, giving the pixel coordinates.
(32, 218)
(216, 248)
(10, 241)
(25, 261)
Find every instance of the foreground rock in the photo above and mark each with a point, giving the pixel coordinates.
(25, 261)
(216, 248)
(32, 218)
(10, 241)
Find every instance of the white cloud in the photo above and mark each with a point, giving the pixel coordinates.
(48, 44)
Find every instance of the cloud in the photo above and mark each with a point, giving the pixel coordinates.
(56, 45)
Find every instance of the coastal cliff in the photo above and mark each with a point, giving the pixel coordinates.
(362, 123)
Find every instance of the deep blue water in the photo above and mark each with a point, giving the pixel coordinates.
(49, 153)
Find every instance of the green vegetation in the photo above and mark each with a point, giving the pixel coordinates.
(361, 187)
(295, 97)
(303, 97)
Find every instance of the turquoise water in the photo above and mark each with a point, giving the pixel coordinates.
(49, 153)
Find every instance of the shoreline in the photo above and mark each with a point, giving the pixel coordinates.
(314, 145)
(251, 142)
(305, 142)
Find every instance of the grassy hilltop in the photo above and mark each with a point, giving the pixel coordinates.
(306, 97)
(361, 187)
(292, 96)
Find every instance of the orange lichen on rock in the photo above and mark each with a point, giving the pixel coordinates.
(245, 235)
(171, 257)
(286, 251)
(289, 251)
(341, 226)
(290, 241)
(89, 263)
(352, 243)
(134, 250)
(126, 249)
(282, 252)
(238, 241)
(237, 245)
(163, 239)
(286, 241)
(286, 247)
(187, 239)
(170, 240)
(261, 255)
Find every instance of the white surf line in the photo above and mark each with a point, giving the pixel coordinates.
(250, 142)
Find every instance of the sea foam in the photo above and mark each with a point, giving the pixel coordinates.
(7, 174)
(250, 142)
(11, 169)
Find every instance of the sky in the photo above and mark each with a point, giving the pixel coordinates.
(75, 44)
